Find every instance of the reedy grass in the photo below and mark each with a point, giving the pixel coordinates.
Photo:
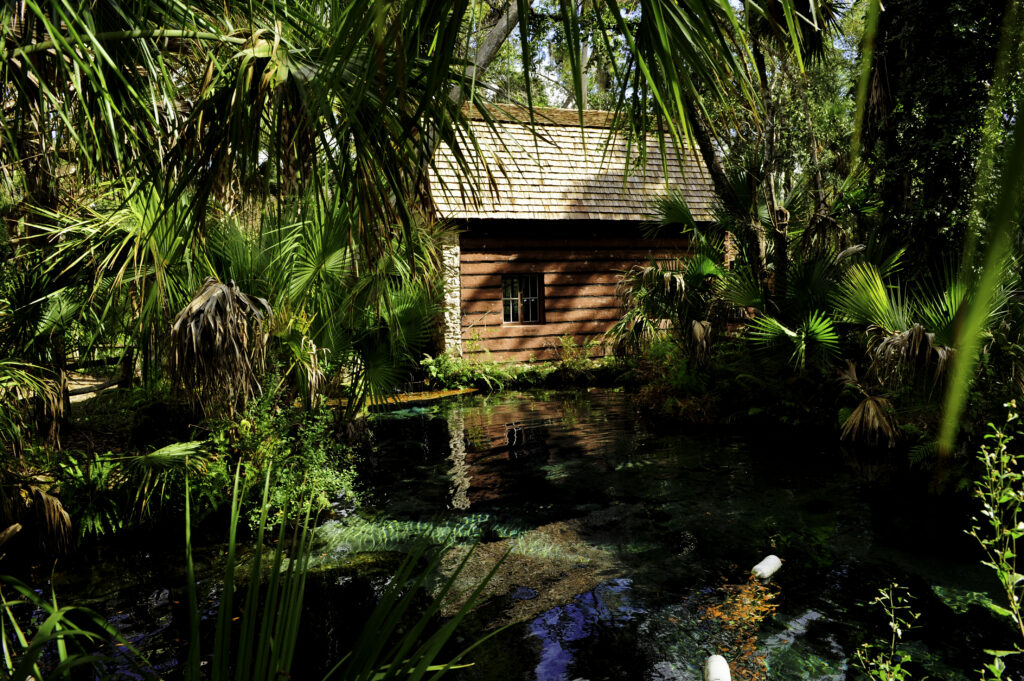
(74, 633)
(269, 622)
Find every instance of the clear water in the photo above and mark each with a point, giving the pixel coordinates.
(629, 548)
(625, 541)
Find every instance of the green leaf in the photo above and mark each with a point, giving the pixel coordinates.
(1002, 653)
(998, 609)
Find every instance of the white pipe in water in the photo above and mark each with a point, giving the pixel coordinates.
(717, 669)
(767, 567)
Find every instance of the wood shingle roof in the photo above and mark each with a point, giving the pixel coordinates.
(563, 173)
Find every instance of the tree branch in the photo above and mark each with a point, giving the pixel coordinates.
(488, 48)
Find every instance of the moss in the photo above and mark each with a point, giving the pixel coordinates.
(448, 372)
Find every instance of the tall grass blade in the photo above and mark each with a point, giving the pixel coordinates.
(984, 290)
(867, 57)
(63, 629)
(192, 660)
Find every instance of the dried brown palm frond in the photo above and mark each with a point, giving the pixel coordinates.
(25, 503)
(29, 400)
(11, 530)
(218, 347)
(848, 375)
(871, 422)
(904, 355)
(700, 340)
(50, 517)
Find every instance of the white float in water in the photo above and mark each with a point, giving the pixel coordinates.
(717, 669)
(767, 567)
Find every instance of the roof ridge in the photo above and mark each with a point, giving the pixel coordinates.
(592, 118)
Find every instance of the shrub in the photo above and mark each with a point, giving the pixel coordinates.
(309, 460)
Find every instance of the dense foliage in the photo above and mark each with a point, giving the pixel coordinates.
(934, 69)
(222, 209)
(854, 268)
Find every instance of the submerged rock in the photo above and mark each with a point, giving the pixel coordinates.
(554, 562)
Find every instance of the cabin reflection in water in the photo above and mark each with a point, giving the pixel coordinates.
(504, 454)
(526, 441)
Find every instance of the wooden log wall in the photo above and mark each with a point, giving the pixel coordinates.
(580, 265)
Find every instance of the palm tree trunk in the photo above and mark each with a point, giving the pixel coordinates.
(780, 219)
(819, 182)
(778, 215)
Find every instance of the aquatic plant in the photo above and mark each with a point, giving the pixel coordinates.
(357, 534)
(740, 615)
(266, 636)
(1000, 488)
(256, 639)
(887, 660)
(72, 636)
(543, 547)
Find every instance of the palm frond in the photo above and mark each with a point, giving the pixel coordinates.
(23, 388)
(741, 287)
(306, 367)
(218, 344)
(672, 215)
(700, 340)
(50, 516)
(871, 422)
(815, 339)
(769, 332)
(671, 296)
(864, 299)
(811, 283)
(940, 307)
(899, 357)
(180, 456)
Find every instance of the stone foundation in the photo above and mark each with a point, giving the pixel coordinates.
(451, 255)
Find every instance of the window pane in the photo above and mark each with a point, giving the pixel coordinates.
(529, 309)
(530, 286)
(520, 299)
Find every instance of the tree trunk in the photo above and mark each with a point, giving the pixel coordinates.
(752, 239)
(488, 49)
(781, 239)
(486, 53)
(584, 61)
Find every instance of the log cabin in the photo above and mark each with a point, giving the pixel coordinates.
(551, 218)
